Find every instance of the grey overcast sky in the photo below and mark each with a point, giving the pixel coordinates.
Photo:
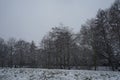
(32, 19)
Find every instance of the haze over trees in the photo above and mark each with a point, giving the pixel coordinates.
(97, 44)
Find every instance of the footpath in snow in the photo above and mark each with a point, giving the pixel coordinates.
(52, 74)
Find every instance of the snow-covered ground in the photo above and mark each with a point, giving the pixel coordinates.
(52, 74)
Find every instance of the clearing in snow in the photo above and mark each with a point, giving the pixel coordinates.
(53, 74)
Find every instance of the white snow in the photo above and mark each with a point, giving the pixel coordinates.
(54, 74)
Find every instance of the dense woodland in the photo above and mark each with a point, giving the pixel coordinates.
(97, 44)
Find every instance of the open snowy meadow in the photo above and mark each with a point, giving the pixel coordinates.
(53, 74)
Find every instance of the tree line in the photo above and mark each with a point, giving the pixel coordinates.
(97, 44)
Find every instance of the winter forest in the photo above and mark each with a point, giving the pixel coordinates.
(96, 44)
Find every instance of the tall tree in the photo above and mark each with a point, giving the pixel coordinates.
(3, 52)
(11, 50)
(33, 56)
(57, 45)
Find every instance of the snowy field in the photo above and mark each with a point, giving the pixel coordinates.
(52, 74)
